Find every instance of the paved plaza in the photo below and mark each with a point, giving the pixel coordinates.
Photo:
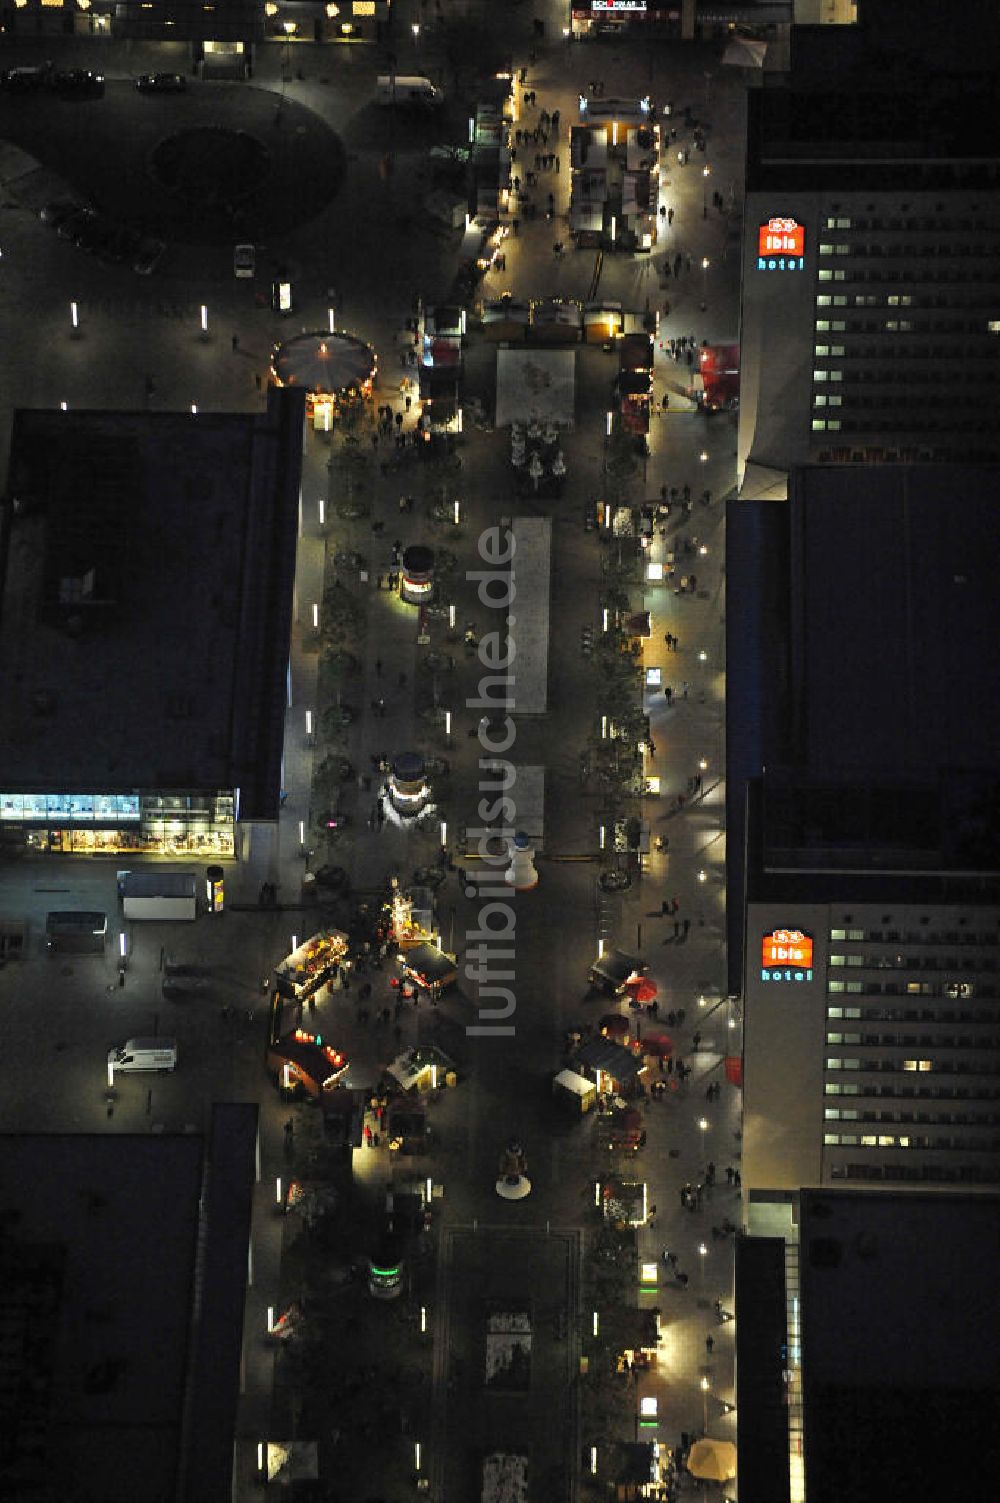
(368, 252)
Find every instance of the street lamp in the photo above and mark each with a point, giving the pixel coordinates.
(706, 173)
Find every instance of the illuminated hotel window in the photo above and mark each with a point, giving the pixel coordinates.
(818, 425)
(819, 400)
(823, 300)
(922, 1065)
(834, 425)
(822, 326)
(825, 275)
(822, 376)
(836, 401)
(831, 1139)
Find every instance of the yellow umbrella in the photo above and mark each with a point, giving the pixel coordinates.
(712, 1460)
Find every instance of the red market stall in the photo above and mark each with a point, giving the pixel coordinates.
(303, 1062)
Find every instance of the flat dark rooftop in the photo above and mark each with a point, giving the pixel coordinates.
(867, 135)
(899, 1350)
(145, 600)
(98, 1250)
(895, 618)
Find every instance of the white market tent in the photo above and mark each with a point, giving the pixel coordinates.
(535, 386)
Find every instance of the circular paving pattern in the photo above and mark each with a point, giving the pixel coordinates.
(221, 163)
(211, 165)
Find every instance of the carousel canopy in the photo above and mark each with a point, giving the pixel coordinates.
(324, 363)
(642, 988)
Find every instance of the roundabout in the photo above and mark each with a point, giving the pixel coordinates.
(216, 165)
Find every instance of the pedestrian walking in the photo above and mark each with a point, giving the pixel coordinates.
(687, 926)
(696, 1041)
(709, 1344)
(729, 1174)
(289, 1132)
(675, 904)
(685, 686)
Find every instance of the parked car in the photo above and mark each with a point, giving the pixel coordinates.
(244, 260)
(24, 78)
(121, 244)
(94, 234)
(68, 228)
(161, 83)
(149, 257)
(79, 83)
(58, 211)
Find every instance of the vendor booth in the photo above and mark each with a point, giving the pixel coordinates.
(574, 1091)
(613, 1068)
(303, 1063)
(412, 915)
(611, 973)
(311, 965)
(505, 319)
(422, 1069)
(429, 969)
(624, 1202)
(633, 1336)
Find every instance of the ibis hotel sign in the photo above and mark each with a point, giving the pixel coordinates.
(781, 245)
(786, 955)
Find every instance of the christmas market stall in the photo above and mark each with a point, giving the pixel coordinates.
(305, 1064)
(428, 969)
(311, 965)
(612, 972)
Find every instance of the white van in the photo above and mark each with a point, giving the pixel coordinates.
(143, 1054)
(403, 89)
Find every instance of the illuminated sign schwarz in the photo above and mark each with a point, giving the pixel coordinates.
(617, 4)
(786, 955)
(781, 245)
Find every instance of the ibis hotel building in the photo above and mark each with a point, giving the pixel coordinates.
(863, 801)
(871, 267)
(147, 565)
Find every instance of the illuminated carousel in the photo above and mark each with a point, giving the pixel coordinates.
(334, 370)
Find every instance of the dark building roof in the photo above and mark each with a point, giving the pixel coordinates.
(899, 1353)
(862, 684)
(146, 569)
(903, 99)
(99, 1268)
(762, 1396)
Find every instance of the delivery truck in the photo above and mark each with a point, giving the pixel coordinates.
(155, 894)
(142, 1054)
(408, 91)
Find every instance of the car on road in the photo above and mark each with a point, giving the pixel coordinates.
(149, 256)
(78, 83)
(161, 83)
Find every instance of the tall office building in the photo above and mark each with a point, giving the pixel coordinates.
(871, 260)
